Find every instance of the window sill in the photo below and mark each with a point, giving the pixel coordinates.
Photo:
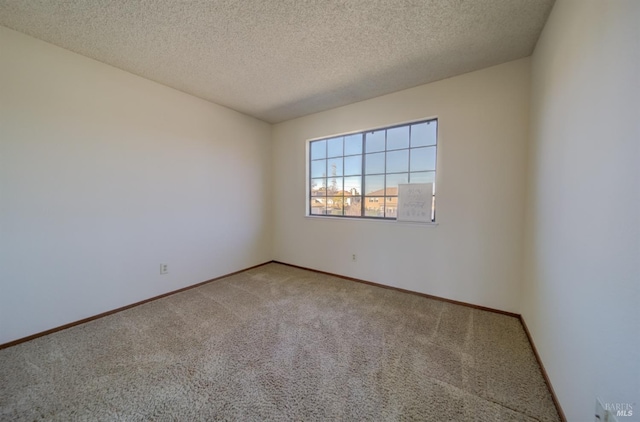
(372, 220)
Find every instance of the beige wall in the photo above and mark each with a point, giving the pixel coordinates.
(582, 273)
(105, 175)
(474, 253)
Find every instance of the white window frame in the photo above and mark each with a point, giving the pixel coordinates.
(363, 196)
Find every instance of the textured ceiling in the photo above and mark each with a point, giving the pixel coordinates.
(281, 59)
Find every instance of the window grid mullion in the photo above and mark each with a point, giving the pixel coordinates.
(409, 157)
(363, 184)
(384, 185)
(326, 176)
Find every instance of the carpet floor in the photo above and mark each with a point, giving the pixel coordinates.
(280, 343)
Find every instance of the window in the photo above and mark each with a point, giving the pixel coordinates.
(357, 175)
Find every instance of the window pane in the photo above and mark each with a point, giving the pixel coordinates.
(374, 185)
(318, 187)
(335, 186)
(398, 161)
(353, 185)
(374, 163)
(353, 144)
(423, 177)
(352, 206)
(424, 134)
(353, 165)
(393, 180)
(391, 207)
(335, 205)
(423, 159)
(319, 168)
(353, 190)
(318, 149)
(374, 141)
(334, 166)
(318, 206)
(374, 207)
(334, 147)
(398, 138)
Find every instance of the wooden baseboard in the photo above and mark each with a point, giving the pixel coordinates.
(371, 283)
(544, 371)
(113, 311)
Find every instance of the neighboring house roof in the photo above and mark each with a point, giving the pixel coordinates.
(380, 192)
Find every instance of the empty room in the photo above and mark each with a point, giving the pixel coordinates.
(320, 210)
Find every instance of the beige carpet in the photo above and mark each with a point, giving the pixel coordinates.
(280, 343)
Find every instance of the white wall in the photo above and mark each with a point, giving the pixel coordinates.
(582, 272)
(104, 175)
(474, 254)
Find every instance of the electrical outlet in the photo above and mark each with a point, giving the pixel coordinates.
(354, 258)
(164, 268)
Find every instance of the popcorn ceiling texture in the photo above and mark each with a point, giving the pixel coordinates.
(280, 343)
(281, 59)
